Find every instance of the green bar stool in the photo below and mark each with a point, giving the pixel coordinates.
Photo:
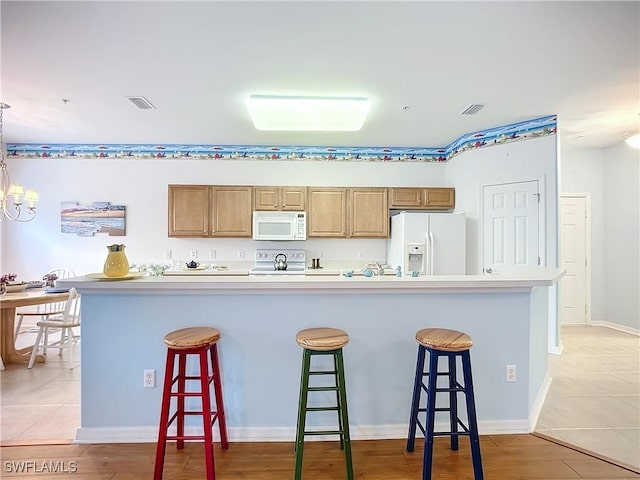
(323, 341)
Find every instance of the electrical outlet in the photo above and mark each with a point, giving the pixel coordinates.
(212, 254)
(149, 378)
(511, 373)
(361, 254)
(167, 254)
(240, 254)
(194, 254)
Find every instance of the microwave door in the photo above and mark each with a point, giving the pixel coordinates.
(274, 229)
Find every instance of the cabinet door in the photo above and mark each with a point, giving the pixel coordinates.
(188, 211)
(405, 197)
(232, 207)
(293, 198)
(444, 198)
(327, 212)
(368, 212)
(267, 198)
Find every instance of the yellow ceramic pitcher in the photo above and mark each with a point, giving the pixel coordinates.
(116, 264)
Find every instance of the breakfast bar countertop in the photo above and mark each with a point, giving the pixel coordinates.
(241, 282)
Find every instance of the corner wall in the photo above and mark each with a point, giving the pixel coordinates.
(622, 235)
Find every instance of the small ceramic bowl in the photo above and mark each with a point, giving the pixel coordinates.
(16, 287)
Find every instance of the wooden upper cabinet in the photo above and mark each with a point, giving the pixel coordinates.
(435, 198)
(231, 211)
(326, 212)
(280, 198)
(368, 212)
(188, 211)
(440, 198)
(210, 211)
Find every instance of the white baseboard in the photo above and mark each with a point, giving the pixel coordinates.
(556, 350)
(284, 434)
(616, 326)
(538, 403)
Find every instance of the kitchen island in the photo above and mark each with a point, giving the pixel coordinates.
(124, 322)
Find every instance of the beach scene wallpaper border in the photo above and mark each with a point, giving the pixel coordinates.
(85, 220)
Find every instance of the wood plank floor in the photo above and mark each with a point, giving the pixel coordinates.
(505, 457)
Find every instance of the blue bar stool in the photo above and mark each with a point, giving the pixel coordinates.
(440, 342)
(323, 341)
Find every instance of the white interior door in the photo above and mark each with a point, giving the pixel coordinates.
(573, 258)
(510, 224)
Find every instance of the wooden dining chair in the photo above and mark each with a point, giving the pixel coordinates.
(46, 310)
(65, 323)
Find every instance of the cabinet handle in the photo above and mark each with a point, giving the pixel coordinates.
(275, 205)
(284, 205)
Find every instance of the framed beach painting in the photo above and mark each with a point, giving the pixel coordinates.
(98, 217)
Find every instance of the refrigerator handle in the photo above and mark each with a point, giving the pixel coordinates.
(431, 242)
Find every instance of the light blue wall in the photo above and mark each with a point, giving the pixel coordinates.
(622, 236)
(513, 162)
(611, 176)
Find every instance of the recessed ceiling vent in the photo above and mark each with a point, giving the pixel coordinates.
(142, 103)
(472, 109)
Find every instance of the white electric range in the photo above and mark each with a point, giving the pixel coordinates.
(266, 262)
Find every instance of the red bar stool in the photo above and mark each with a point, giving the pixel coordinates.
(200, 341)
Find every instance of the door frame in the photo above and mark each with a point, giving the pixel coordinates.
(587, 248)
(542, 215)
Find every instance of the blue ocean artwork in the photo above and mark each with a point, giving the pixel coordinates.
(98, 217)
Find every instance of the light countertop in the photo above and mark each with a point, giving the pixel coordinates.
(243, 283)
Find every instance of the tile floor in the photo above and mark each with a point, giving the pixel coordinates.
(594, 400)
(43, 403)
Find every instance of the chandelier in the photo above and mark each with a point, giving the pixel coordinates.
(11, 208)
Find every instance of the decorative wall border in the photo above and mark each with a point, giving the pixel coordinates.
(493, 136)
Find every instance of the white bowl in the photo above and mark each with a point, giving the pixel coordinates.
(16, 287)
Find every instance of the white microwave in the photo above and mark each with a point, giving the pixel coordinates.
(279, 225)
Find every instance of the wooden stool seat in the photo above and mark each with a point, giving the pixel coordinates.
(444, 339)
(322, 338)
(192, 337)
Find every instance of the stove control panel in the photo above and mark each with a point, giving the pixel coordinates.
(269, 256)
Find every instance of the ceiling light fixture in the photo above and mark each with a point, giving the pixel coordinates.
(329, 114)
(7, 189)
(632, 140)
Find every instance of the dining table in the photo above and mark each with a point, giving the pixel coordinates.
(8, 304)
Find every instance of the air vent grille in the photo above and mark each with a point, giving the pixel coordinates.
(141, 102)
(472, 109)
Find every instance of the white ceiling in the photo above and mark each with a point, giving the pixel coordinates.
(197, 61)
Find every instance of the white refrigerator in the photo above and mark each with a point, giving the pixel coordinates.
(428, 243)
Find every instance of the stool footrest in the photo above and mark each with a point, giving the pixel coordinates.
(185, 394)
(323, 432)
(323, 372)
(457, 388)
(322, 389)
(320, 409)
(451, 434)
(185, 437)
